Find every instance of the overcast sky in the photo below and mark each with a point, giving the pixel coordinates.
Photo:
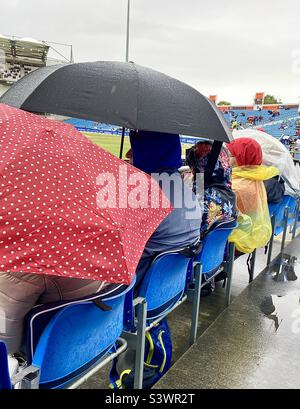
(230, 48)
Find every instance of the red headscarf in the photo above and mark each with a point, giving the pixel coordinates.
(246, 151)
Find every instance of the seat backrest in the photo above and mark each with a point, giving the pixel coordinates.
(75, 338)
(214, 246)
(40, 316)
(292, 209)
(278, 211)
(164, 283)
(4, 372)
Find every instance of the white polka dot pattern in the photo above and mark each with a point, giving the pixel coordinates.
(49, 220)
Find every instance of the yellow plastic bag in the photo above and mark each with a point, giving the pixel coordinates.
(254, 224)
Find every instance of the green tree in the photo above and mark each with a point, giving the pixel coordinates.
(224, 103)
(270, 99)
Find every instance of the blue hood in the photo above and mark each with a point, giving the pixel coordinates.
(155, 152)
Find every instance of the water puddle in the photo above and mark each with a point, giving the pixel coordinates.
(282, 310)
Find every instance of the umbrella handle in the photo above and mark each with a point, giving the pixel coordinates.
(122, 143)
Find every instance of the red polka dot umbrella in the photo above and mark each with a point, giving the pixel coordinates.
(51, 180)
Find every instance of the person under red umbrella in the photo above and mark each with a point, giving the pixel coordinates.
(70, 223)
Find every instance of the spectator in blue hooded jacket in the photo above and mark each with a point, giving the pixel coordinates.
(159, 155)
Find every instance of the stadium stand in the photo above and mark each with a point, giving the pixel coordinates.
(94, 127)
(20, 57)
(284, 123)
(260, 117)
(279, 122)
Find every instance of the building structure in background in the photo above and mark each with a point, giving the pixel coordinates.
(21, 56)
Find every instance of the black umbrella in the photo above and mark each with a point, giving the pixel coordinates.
(124, 94)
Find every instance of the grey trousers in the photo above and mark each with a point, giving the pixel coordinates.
(20, 292)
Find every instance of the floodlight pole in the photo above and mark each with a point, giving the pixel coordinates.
(127, 60)
(128, 30)
(72, 55)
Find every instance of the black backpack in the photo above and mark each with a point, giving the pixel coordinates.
(157, 361)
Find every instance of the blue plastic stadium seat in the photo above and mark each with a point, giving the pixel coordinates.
(214, 246)
(67, 340)
(278, 211)
(164, 283)
(4, 373)
(292, 210)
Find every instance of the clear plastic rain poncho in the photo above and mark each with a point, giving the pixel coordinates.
(277, 155)
(254, 224)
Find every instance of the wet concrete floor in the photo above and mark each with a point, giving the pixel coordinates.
(255, 343)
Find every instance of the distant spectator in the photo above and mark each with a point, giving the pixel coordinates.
(234, 124)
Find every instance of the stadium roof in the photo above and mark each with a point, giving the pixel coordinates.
(25, 49)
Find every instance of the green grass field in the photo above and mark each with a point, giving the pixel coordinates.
(111, 143)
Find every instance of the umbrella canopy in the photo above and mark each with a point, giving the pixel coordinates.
(275, 154)
(119, 93)
(50, 220)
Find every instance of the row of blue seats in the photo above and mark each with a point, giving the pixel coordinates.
(85, 124)
(91, 125)
(283, 215)
(68, 342)
(275, 130)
